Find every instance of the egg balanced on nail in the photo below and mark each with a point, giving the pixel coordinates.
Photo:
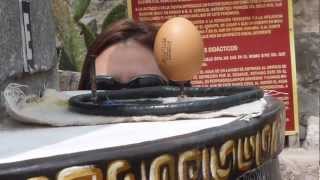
(179, 49)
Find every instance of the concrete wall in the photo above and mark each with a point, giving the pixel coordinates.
(307, 43)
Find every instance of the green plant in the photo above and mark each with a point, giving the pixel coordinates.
(74, 35)
(118, 12)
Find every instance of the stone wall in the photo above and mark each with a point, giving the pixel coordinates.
(11, 60)
(303, 163)
(307, 44)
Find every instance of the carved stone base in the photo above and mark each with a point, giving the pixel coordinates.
(239, 149)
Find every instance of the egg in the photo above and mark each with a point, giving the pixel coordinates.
(179, 49)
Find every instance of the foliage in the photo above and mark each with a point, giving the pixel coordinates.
(74, 35)
(89, 36)
(73, 49)
(119, 12)
(80, 7)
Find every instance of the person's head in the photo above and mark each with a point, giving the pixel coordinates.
(123, 52)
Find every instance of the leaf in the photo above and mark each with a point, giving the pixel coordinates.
(73, 44)
(65, 61)
(117, 13)
(80, 7)
(89, 36)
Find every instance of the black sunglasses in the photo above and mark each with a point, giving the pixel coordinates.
(104, 82)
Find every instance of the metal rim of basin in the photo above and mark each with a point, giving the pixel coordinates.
(229, 96)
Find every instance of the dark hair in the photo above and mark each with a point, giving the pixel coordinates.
(120, 31)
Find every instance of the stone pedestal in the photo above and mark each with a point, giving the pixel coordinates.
(11, 47)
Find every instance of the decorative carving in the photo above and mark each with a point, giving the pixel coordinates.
(205, 164)
(38, 178)
(266, 139)
(83, 172)
(244, 161)
(118, 167)
(185, 168)
(218, 162)
(165, 175)
(247, 154)
(226, 149)
(253, 145)
(274, 141)
(143, 171)
(160, 167)
(258, 148)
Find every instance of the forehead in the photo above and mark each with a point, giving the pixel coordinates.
(128, 50)
(126, 53)
(127, 59)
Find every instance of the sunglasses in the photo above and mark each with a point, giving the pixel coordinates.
(104, 82)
